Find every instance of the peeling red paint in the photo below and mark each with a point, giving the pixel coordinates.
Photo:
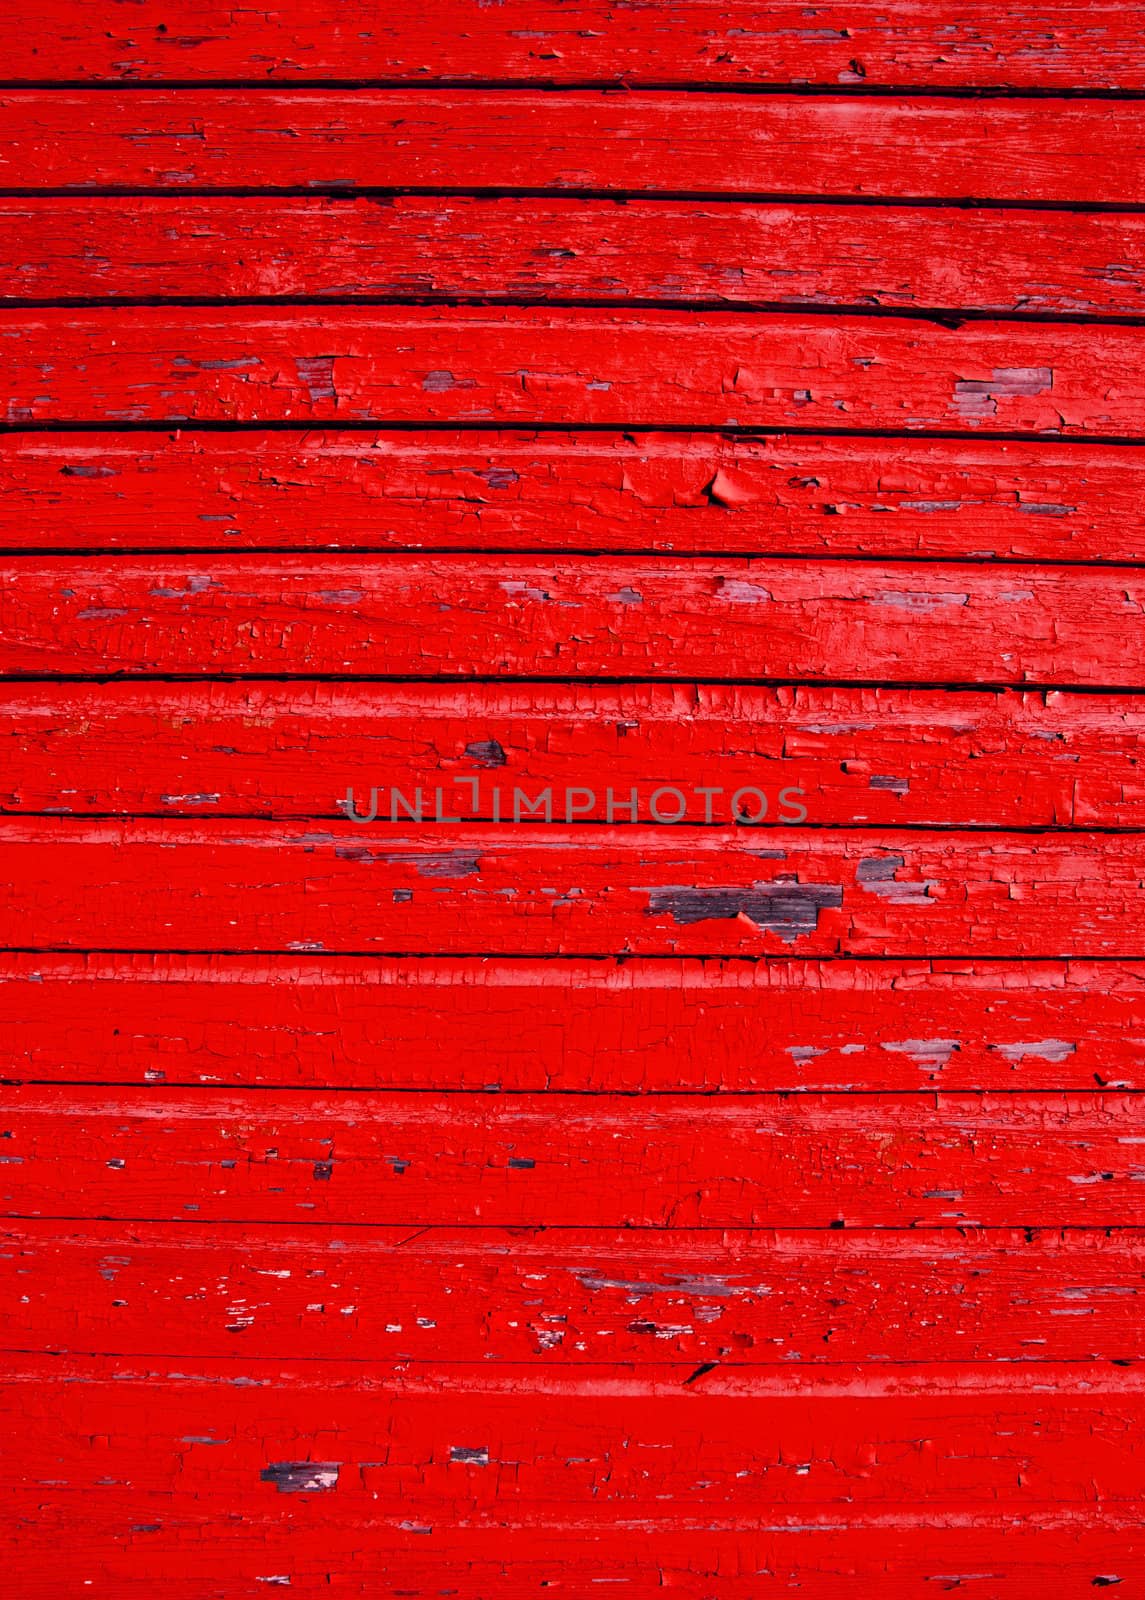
(524, 616)
(1060, 45)
(545, 889)
(905, 147)
(568, 367)
(913, 258)
(514, 1024)
(541, 411)
(930, 499)
(888, 756)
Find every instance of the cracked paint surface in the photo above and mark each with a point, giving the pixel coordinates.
(425, 428)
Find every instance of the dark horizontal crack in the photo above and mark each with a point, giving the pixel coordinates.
(510, 425)
(984, 686)
(951, 317)
(619, 85)
(352, 191)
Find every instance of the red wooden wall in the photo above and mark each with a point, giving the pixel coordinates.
(571, 395)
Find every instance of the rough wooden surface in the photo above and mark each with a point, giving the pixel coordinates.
(540, 411)
(1056, 45)
(587, 1297)
(536, 617)
(669, 1161)
(623, 1026)
(897, 758)
(600, 1445)
(566, 367)
(229, 1449)
(805, 495)
(1029, 262)
(544, 889)
(900, 148)
(242, 1556)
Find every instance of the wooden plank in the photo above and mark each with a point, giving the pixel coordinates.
(635, 1026)
(639, 617)
(586, 1161)
(1065, 152)
(885, 757)
(193, 1556)
(1060, 45)
(440, 890)
(931, 499)
(572, 1456)
(587, 1450)
(567, 367)
(583, 1298)
(559, 249)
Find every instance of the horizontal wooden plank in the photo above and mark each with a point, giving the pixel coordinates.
(568, 367)
(995, 261)
(587, 1450)
(237, 1558)
(814, 496)
(1060, 45)
(553, 1160)
(584, 1026)
(635, 890)
(535, 616)
(918, 148)
(581, 1298)
(888, 757)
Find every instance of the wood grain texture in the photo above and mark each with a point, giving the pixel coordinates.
(1075, 263)
(595, 1444)
(911, 148)
(930, 499)
(607, 1449)
(535, 365)
(637, 890)
(512, 420)
(579, 1026)
(634, 1026)
(1057, 45)
(536, 617)
(576, 1298)
(880, 757)
(195, 1554)
(669, 1161)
